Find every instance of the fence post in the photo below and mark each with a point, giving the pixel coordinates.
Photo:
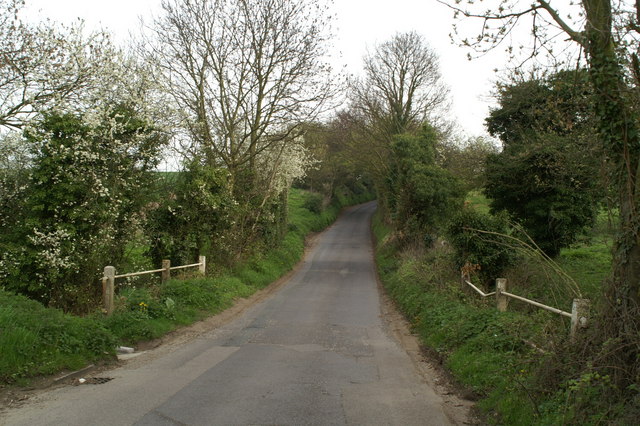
(501, 301)
(464, 277)
(166, 273)
(108, 288)
(203, 264)
(579, 315)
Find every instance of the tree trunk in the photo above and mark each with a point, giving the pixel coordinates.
(619, 132)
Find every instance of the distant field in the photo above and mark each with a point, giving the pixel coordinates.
(478, 201)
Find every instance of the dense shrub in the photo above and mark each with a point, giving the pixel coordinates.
(37, 340)
(421, 194)
(87, 183)
(545, 189)
(547, 175)
(480, 239)
(313, 202)
(194, 209)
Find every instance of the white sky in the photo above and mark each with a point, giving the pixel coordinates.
(360, 25)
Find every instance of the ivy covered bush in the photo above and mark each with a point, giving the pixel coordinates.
(421, 194)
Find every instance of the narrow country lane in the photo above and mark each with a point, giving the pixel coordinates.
(314, 353)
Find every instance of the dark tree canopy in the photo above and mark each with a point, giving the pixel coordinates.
(561, 104)
(547, 175)
(422, 195)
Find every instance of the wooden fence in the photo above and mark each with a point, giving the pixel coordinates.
(109, 278)
(579, 311)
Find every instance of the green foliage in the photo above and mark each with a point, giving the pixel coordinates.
(193, 212)
(589, 265)
(554, 198)
(561, 104)
(478, 201)
(479, 239)
(149, 313)
(37, 340)
(87, 184)
(131, 326)
(421, 194)
(490, 352)
(196, 293)
(483, 347)
(466, 160)
(313, 203)
(335, 173)
(545, 176)
(587, 392)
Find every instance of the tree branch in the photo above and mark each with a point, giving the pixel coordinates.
(575, 35)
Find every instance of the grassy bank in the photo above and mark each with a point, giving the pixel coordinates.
(481, 346)
(519, 364)
(35, 340)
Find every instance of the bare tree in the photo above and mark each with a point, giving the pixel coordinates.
(401, 89)
(244, 74)
(402, 85)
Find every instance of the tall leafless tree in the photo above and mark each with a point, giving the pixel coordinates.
(402, 86)
(401, 89)
(244, 74)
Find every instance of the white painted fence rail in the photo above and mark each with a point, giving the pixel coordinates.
(109, 278)
(538, 304)
(480, 292)
(579, 311)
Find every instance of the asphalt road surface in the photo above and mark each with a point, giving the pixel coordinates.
(314, 353)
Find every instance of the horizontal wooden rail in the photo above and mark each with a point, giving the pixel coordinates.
(135, 274)
(185, 266)
(579, 310)
(109, 278)
(480, 292)
(155, 271)
(538, 304)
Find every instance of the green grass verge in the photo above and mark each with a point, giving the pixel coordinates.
(35, 340)
(486, 350)
(521, 364)
(493, 353)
